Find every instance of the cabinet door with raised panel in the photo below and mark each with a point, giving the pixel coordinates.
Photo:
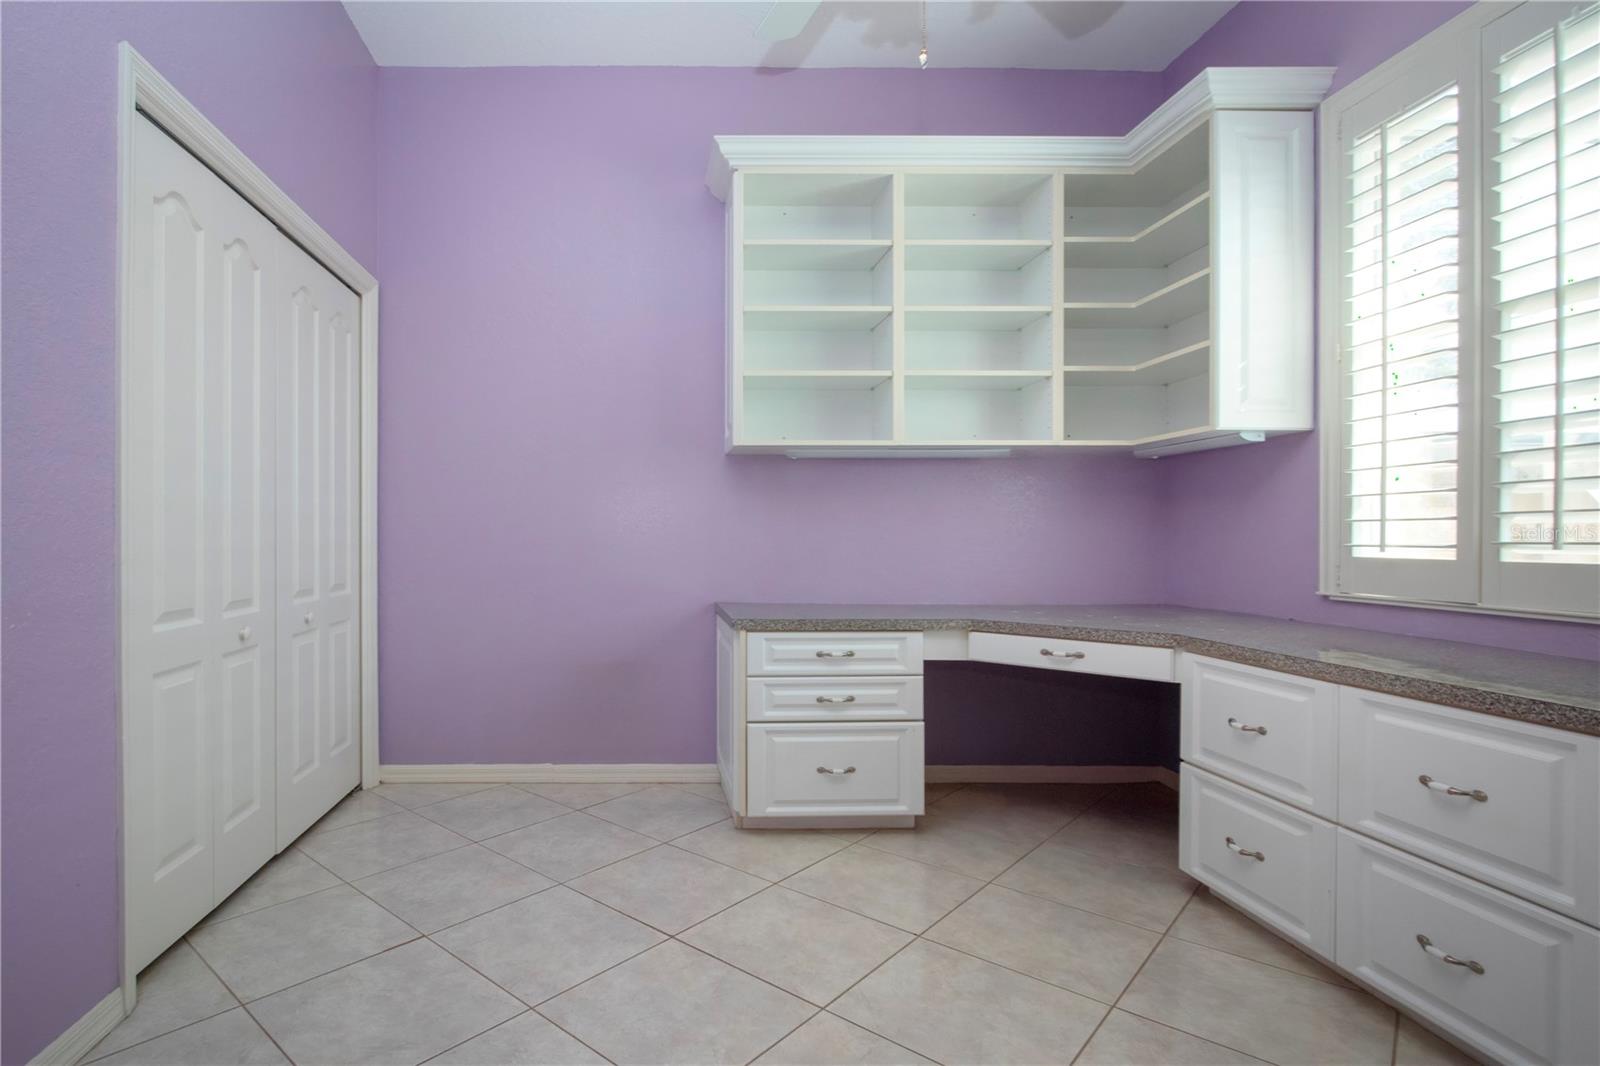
(319, 751)
(1513, 804)
(1510, 979)
(197, 558)
(1261, 244)
(1274, 732)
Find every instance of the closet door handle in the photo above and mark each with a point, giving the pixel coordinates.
(244, 634)
(827, 770)
(1244, 853)
(836, 655)
(1048, 654)
(836, 699)
(1450, 790)
(311, 616)
(1448, 960)
(1259, 730)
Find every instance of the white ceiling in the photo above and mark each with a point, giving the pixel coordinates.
(1052, 34)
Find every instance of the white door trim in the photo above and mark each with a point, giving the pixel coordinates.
(142, 88)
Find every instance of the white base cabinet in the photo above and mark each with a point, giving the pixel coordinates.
(1439, 856)
(820, 729)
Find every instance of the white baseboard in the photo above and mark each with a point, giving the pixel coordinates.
(551, 773)
(83, 1034)
(1034, 775)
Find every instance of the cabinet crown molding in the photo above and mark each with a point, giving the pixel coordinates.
(1213, 89)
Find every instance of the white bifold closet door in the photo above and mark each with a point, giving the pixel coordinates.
(319, 749)
(240, 363)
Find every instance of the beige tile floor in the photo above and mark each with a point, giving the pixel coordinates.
(527, 924)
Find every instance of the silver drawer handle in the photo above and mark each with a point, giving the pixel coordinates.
(827, 770)
(1449, 960)
(1259, 730)
(836, 655)
(1048, 654)
(1244, 853)
(1450, 790)
(836, 699)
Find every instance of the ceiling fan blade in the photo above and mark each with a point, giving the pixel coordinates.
(786, 19)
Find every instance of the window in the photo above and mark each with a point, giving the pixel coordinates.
(1461, 306)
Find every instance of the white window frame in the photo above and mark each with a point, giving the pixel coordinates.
(1450, 54)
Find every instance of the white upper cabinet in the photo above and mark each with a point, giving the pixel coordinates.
(965, 295)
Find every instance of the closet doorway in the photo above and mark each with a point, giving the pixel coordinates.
(246, 467)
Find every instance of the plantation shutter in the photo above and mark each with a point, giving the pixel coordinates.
(1542, 308)
(1408, 455)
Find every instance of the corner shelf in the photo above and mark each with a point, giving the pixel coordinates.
(1178, 300)
(1169, 238)
(1186, 362)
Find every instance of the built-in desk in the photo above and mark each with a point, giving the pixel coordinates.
(1422, 814)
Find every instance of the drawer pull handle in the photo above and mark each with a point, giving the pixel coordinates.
(1048, 654)
(836, 655)
(1450, 790)
(1245, 853)
(829, 770)
(1449, 960)
(1258, 730)
(836, 699)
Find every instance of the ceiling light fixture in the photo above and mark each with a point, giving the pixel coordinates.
(922, 56)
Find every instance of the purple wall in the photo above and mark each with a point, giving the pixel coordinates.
(556, 511)
(1244, 520)
(293, 85)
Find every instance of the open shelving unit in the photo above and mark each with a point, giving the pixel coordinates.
(911, 295)
(1137, 286)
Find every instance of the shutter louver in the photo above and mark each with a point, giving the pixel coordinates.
(1401, 321)
(1544, 296)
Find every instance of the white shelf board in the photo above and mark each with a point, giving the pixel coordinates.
(1186, 362)
(1168, 239)
(973, 317)
(1168, 304)
(974, 379)
(814, 254)
(813, 317)
(972, 255)
(815, 379)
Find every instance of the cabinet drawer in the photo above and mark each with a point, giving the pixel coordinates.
(1072, 656)
(849, 769)
(834, 653)
(1274, 732)
(1534, 1000)
(1266, 858)
(1536, 830)
(834, 699)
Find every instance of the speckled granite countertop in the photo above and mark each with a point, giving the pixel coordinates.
(1547, 689)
